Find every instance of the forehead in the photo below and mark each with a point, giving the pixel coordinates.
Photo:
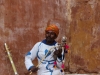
(50, 31)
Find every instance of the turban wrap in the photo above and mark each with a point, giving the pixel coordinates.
(52, 27)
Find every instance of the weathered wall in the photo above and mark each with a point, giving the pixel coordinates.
(22, 24)
(84, 36)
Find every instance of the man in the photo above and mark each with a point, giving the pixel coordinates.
(46, 53)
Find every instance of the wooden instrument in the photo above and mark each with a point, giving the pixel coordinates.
(11, 60)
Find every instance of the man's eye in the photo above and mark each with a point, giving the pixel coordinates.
(47, 32)
(51, 33)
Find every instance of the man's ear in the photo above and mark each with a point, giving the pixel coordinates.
(55, 36)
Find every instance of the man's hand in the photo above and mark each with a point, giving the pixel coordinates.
(34, 69)
(57, 53)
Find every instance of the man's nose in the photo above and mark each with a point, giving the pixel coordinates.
(49, 34)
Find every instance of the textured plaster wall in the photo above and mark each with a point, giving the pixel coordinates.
(84, 36)
(22, 24)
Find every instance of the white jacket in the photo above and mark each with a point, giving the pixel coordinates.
(46, 67)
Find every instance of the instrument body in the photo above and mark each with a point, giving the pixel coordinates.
(11, 60)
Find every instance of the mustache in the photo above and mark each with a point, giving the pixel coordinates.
(48, 37)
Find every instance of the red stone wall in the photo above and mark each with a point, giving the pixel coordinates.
(22, 24)
(84, 36)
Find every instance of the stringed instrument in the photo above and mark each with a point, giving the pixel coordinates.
(11, 60)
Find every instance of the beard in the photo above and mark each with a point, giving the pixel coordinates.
(49, 40)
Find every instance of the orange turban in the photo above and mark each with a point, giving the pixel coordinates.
(52, 27)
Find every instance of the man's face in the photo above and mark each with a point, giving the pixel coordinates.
(50, 36)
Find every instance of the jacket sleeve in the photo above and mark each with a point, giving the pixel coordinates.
(30, 56)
